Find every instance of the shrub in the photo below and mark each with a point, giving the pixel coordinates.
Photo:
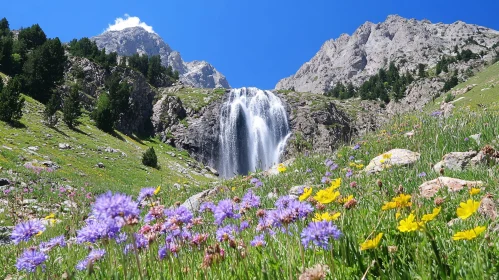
(449, 97)
(71, 109)
(149, 158)
(11, 101)
(103, 114)
(50, 112)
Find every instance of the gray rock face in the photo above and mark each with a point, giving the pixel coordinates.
(94, 77)
(323, 128)
(137, 40)
(457, 161)
(168, 111)
(407, 42)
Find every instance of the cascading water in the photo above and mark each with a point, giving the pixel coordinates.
(253, 131)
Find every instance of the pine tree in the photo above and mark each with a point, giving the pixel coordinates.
(11, 101)
(71, 109)
(421, 70)
(149, 158)
(103, 114)
(50, 112)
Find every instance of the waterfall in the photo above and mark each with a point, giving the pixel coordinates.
(253, 131)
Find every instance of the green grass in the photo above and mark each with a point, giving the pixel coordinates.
(485, 94)
(123, 172)
(197, 98)
(427, 254)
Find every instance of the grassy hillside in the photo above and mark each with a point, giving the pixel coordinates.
(278, 245)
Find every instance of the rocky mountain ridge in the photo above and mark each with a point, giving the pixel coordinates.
(407, 42)
(137, 40)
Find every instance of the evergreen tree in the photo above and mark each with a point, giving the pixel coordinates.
(155, 70)
(32, 37)
(44, 70)
(149, 158)
(102, 114)
(11, 101)
(119, 95)
(50, 112)
(421, 70)
(71, 109)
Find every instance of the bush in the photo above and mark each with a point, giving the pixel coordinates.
(449, 97)
(149, 158)
(71, 109)
(50, 112)
(11, 101)
(102, 115)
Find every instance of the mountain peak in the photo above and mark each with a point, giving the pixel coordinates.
(406, 42)
(129, 39)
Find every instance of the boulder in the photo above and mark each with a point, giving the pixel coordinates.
(4, 182)
(64, 146)
(193, 202)
(488, 208)
(50, 164)
(430, 188)
(100, 165)
(33, 148)
(395, 157)
(456, 161)
(274, 171)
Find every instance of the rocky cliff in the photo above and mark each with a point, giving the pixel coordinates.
(137, 40)
(407, 42)
(91, 77)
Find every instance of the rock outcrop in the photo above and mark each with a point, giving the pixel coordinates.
(137, 40)
(93, 77)
(407, 42)
(430, 188)
(395, 157)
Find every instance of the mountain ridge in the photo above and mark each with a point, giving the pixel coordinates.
(133, 40)
(371, 46)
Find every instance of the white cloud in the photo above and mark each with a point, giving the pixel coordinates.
(128, 21)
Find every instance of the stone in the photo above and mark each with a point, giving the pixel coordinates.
(212, 170)
(29, 201)
(64, 146)
(100, 165)
(33, 148)
(4, 182)
(476, 137)
(193, 202)
(488, 208)
(479, 159)
(399, 157)
(446, 109)
(110, 150)
(297, 190)
(172, 154)
(273, 170)
(430, 188)
(409, 134)
(50, 164)
(177, 186)
(456, 161)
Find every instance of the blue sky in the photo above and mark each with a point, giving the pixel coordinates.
(252, 42)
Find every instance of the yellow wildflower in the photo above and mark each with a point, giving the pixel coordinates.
(306, 193)
(474, 191)
(326, 196)
(397, 215)
(430, 217)
(469, 234)
(408, 224)
(326, 216)
(345, 199)
(466, 209)
(156, 191)
(50, 216)
(389, 205)
(371, 243)
(39, 233)
(335, 184)
(403, 200)
(352, 164)
(281, 167)
(387, 155)
(359, 166)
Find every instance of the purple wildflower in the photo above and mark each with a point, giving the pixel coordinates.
(436, 113)
(328, 162)
(250, 200)
(179, 215)
(95, 230)
(356, 147)
(244, 225)
(122, 237)
(24, 231)
(30, 260)
(319, 233)
(258, 241)
(422, 174)
(207, 206)
(351, 158)
(349, 173)
(308, 170)
(333, 167)
(145, 193)
(225, 209)
(113, 206)
(327, 174)
(163, 252)
(324, 180)
(256, 182)
(93, 256)
(56, 241)
(466, 139)
(226, 233)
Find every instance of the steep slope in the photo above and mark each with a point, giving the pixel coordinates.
(407, 42)
(137, 40)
